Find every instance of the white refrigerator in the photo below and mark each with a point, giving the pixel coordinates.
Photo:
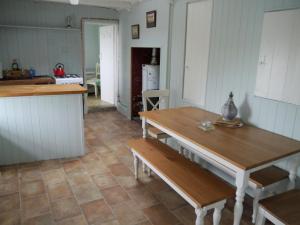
(150, 77)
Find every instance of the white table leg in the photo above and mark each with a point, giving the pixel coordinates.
(255, 203)
(261, 219)
(201, 213)
(136, 166)
(145, 134)
(217, 214)
(293, 168)
(241, 182)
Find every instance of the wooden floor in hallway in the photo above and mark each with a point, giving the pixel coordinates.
(98, 188)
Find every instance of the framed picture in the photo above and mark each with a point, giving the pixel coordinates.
(135, 31)
(151, 19)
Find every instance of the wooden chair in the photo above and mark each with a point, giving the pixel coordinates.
(283, 209)
(199, 187)
(265, 180)
(156, 99)
(95, 81)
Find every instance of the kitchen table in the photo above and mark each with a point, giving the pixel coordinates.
(238, 152)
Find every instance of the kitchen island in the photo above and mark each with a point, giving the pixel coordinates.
(40, 122)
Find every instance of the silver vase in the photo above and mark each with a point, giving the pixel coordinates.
(229, 110)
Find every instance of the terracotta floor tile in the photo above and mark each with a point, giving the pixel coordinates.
(90, 157)
(65, 208)
(115, 195)
(9, 202)
(30, 174)
(77, 220)
(73, 166)
(97, 211)
(186, 215)
(54, 176)
(31, 189)
(112, 222)
(9, 188)
(120, 170)
(157, 185)
(77, 179)
(129, 182)
(10, 218)
(109, 158)
(8, 174)
(50, 165)
(128, 213)
(40, 220)
(95, 167)
(34, 207)
(86, 193)
(59, 191)
(104, 181)
(171, 199)
(143, 197)
(159, 215)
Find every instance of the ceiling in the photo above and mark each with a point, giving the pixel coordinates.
(115, 4)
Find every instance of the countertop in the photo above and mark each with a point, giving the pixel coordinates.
(36, 90)
(34, 80)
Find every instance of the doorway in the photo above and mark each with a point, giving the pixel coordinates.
(100, 68)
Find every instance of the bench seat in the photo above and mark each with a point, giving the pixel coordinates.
(268, 176)
(281, 209)
(202, 189)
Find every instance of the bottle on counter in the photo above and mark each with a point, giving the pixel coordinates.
(32, 72)
(15, 65)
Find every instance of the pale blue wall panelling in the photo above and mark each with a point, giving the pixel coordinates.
(42, 49)
(149, 37)
(234, 50)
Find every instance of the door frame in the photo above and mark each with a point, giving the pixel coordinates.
(102, 21)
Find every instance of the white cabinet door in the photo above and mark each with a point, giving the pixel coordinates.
(197, 51)
(278, 67)
(107, 69)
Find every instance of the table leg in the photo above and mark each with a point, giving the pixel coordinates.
(144, 126)
(293, 168)
(241, 182)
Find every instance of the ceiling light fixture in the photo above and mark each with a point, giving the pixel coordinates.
(74, 2)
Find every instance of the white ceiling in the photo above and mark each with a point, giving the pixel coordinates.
(115, 4)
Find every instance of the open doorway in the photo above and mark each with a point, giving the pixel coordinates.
(100, 68)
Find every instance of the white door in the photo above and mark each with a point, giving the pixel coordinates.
(107, 62)
(197, 51)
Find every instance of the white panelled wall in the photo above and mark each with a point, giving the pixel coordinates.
(234, 53)
(40, 127)
(43, 48)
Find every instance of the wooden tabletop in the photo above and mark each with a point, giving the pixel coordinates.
(246, 147)
(34, 90)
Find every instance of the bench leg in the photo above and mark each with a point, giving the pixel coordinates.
(217, 214)
(260, 220)
(191, 156)
(293, 167)
(200, 213)
(181, 150)
(136, 166)
(255, 203)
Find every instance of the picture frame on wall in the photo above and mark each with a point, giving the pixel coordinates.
(151, 19)
(135, 31)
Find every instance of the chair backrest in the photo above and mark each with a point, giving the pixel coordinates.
(97, 70)
(158, 99)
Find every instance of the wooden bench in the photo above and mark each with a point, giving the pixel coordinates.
(199, 187)
(262, 180)
(283, 209)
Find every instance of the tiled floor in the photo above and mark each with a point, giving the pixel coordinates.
(97, 189)
(96, 104)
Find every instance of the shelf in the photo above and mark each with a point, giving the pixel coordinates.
(38, 28)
